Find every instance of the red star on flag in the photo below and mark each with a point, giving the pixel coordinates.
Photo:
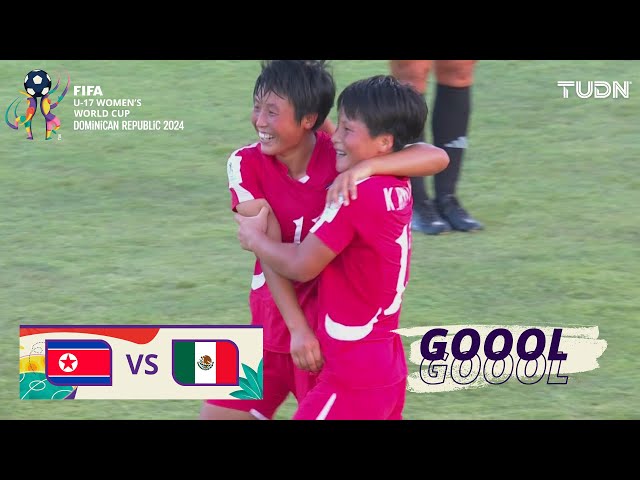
(67, 363)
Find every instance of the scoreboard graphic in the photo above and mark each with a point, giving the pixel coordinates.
(140, 362)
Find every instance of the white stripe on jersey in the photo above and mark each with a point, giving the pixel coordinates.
(257, 281)
(234, 175)
(331, 210)
(349, 333)
(327, 407)
(257, 414)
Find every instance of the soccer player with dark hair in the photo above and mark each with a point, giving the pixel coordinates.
(288, 171)
(360, 254)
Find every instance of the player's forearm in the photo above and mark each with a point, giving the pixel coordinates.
(417, 160)
(281, 257)
(286, 299)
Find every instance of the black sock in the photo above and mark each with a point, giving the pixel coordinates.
(451, 111)
(418, 187)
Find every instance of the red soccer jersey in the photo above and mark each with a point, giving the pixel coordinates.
(360, 291)
(297, 204)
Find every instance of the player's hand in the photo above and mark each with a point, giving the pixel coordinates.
(344, 189)
(305, 350)
(250, 227)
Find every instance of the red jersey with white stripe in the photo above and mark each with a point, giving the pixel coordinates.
(297, 204)
(360, 291)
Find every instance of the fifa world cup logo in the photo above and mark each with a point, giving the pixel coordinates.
(37, 85)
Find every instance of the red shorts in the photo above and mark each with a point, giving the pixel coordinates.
(279, 377)
(331, 401)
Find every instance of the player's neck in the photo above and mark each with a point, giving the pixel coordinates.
(297, 159)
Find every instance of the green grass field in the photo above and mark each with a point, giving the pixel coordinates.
(134, 227)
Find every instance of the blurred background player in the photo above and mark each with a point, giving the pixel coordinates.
(288, 171)
(449, 124)
(360, 254)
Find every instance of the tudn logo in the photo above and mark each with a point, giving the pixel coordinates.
(205, 362)
(37, 84)
(597, 89)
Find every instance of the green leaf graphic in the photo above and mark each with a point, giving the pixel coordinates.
(246, 386)
(252, 385)
(253, 379)
(242, 395)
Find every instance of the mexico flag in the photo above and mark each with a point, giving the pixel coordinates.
(205, 362)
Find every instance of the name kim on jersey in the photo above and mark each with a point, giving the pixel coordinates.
(402, 197)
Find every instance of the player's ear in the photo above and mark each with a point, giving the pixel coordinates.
(385, 141)
(309, 120)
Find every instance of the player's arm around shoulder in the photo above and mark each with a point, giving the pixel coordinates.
(414, 160)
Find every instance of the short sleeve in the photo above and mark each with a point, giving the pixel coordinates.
(335, 227)
(244, 176)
